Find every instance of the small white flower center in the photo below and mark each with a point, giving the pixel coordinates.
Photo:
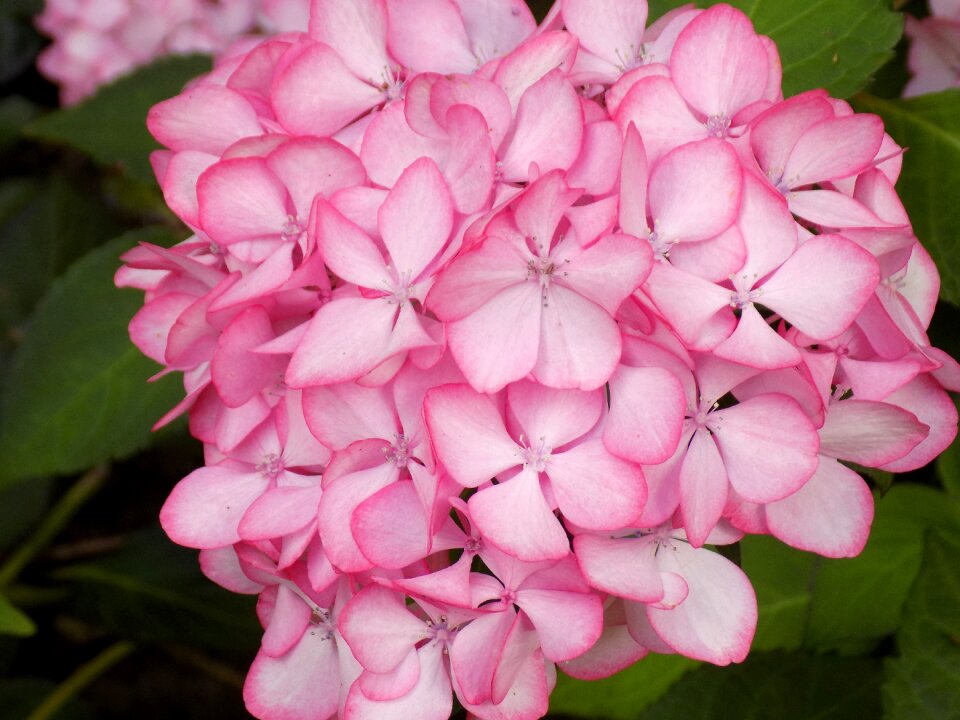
(718, 126)
(742, 294)
(270, 466)
(292, 230)
(398, 453)
(536, 456)
(321, 624)
(660, 245)
(439, 632)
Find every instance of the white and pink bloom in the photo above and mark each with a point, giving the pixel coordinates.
(492, 331)
(96, 41)
(934, 55)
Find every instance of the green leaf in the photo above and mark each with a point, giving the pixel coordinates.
(782, 578)
(21, 506)
(111, 126)
(833, 44)
(863, 597)
(20, 696)
(15, 112)
(154, 591)
(948, 468)
(776, 686)
(76, 393)
(623, 695)
(929, 127)
(45, 225)
(846, 604)
(924, 682)
(13, 621)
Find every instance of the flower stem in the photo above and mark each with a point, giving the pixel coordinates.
(53, 523)
(81, 678)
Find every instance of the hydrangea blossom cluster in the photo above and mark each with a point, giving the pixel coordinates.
(96, 41)
(493, 332)
(934, 56)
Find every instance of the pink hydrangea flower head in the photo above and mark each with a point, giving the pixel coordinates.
(493, 331)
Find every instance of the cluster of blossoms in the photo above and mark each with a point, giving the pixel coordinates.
(96, 41)
(492, 332)
(934, 56)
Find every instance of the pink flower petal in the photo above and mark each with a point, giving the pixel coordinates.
(869, 433)
(429, 699)
(558, 416)
(567, 623)
(468, 434)
(440, 45)
(756, 344)
(180, 183)
(205, 508)
(496, 27)
(347, 250)
(391, 528)
(594, 489)
(621, 567)
(688, 302)
(280, 511)
(340, 499)
(471, 165)
(347, 338)
(515, 517)
(208, 118)
(924, 397)
(616, 650)
(241, 199)
(390, 145)
(416, 218)
(498, 343)
(633, 184)
(150, 327)
(357, 30)
(548, 129)
(769, 231)
(609, 271)
(288, 621)
(237, 373)
(834, 148)
(344, 413)
(768, 445)
(832, 209)
(703, 488)
(308, 166)
(694, 191)
(718, 63)
(580, 343)
(540, 209)
(647, 407)
(613, 29)
(595, 170)
(370, 688)
(476, 277)
(304, 684)
(317, 94)
(830, 515)
(776, 131)
(717, 620)
(533, 60)
(828, 272)
(476, 653)
(379, 629)
(483, 95)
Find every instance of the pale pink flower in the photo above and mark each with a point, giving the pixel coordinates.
(531, 299)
